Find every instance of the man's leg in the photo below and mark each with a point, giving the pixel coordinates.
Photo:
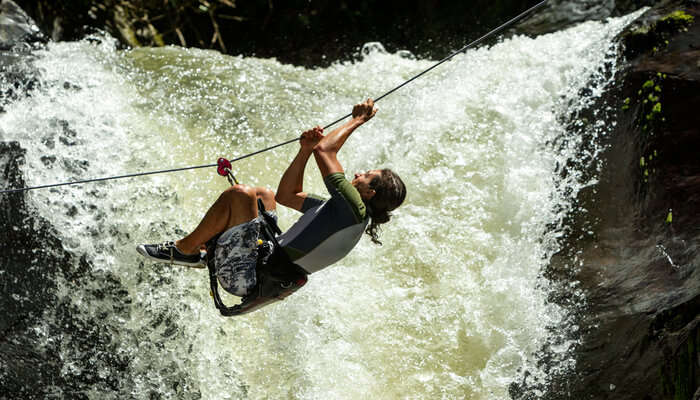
(236, 205)
(268, 198)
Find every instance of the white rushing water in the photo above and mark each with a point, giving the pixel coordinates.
(452, 306)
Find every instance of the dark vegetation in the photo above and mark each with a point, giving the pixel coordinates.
(306, 32)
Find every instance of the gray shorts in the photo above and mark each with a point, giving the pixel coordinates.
(236, 256)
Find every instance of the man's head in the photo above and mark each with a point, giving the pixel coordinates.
(363, 182)
(382, 191)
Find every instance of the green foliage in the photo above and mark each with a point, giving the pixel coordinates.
(626, 104)
(655, 36)
(650, 113)
(678, 18)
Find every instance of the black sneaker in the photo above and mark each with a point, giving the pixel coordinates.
(168, 253)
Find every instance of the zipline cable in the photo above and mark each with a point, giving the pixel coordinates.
(163, 171)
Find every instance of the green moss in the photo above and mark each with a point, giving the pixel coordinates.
(642, 30)
(655, 36)
(626, 103)
(648, 84)
(679, 17)
(676, 21)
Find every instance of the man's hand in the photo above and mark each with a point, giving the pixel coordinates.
(310, 138)
(363, 112)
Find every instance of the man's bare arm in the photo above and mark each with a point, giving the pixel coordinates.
(290, 191)
(326, 151)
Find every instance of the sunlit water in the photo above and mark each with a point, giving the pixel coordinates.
(452, 306)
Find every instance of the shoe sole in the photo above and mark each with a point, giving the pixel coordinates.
(142, 250)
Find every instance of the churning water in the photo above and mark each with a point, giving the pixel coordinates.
(452, 306)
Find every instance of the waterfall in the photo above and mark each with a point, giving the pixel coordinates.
(453, 305)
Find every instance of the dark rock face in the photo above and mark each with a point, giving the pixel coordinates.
(641, 269)
(561, 14)
(39, 331)
(646, 290)
(18, 36)
(15, 26)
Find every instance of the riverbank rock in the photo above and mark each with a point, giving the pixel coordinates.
(562, 14)
(643, 271)
(41, 332)
(16, 26)
(19, 35)
(635, 252)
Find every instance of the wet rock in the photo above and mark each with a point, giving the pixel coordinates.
(69, 137)
(562, 14)
(16, 27)
(652, 33)
(640, 271)
(48, 160)
(41, 332)
(19, 35)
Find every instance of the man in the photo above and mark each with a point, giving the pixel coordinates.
(324, 234)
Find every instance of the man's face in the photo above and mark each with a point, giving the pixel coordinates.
(362, 181)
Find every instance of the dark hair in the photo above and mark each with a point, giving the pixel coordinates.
(390, 192)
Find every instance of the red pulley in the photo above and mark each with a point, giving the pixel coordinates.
(222, 166)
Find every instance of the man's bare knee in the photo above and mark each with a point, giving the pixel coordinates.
(241, 191)
(239, 196)
(267, 196)
(241, 202)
